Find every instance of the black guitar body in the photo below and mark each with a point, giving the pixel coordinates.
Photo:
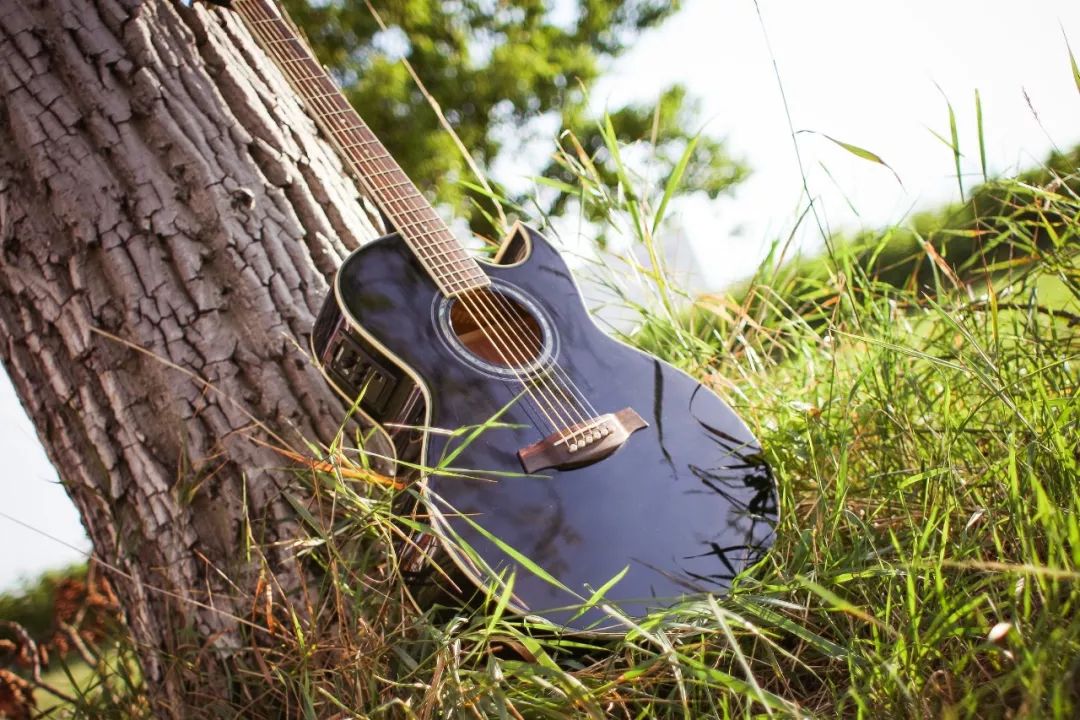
(684, 502)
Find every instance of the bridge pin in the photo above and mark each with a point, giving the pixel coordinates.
(573, 447)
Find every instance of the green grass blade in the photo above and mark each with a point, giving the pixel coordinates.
(673, 183)
(859, 152)
(1072, 62)
(982, 139)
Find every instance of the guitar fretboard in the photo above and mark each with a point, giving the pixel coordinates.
(452, 268)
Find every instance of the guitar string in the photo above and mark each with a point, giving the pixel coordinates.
(497, 301)
(495, 304)
(504, 308)
(474, 308)
(272, 47)
(478, 301)
(491, 301)
(525, 335)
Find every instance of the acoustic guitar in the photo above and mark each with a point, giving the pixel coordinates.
(541, 437)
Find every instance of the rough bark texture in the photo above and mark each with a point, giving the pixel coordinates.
(158, 182)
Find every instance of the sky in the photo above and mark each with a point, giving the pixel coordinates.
(873, 74)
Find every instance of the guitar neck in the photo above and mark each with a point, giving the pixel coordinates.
(452, 268)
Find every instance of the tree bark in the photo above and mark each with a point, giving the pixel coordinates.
(159, 184)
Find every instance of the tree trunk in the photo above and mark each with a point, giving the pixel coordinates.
(160, 185)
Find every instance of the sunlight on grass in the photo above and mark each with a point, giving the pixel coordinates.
(76, 679)
(923, 433)
(923, 429)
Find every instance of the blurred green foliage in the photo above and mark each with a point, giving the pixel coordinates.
(496, 68)
(974, 238)
(31, 605)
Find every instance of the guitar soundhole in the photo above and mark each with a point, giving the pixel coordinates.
(496, 328)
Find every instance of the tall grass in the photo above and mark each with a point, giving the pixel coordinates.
(924, 437)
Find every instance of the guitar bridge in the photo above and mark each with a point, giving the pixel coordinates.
(582, 444)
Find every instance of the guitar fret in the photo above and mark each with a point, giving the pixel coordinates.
(281, 41)
(401, 205)
(385, 189)
(428, 238)
(460, 266)
(454, 248)
(309, 78)
(433, 240)
(442, 245)
(455, 266)
(344, 123)
(418, 241)
(452, 291)
(382, 171)
(370, 160)
(449, 276)
(418, 223)
(405, 217)
(322, 96)
(413, 229)
(452, 263)
(465, 267)
(297, 61)
(457, 253)
(460, 270)
(457, 278)
(466, 273)
(395, 185)
(357, 156)
(384, 156)
(411, 194)
(350, 146)
(408, 213)
(392, 173)
(332, 113)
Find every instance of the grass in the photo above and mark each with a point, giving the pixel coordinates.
(106, 686)
(75, 678)
(924, 437)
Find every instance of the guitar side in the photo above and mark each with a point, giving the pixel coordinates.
(683, 504)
